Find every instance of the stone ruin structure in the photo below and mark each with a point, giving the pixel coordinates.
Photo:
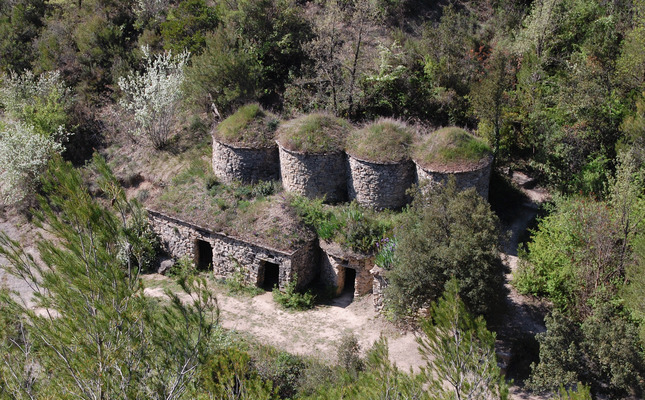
(262, 266)
(325, 166)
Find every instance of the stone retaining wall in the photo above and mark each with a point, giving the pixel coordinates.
(478, 177)
(379, 185)
(314, 175)
(245, 164)
(230, 254)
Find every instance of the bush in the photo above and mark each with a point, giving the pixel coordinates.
(183, 268)
(446, 234)
(237, 285)
(292, 299)
(348, 354)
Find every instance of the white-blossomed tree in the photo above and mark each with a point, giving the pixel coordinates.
(153, 96)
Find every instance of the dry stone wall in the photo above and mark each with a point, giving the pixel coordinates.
(478, 177)
(229, 254)
(379, 185)
(314, 175)
(245, 164)
(334, 264)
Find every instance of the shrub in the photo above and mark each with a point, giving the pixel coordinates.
(183, 268)
(292, 299)
(446, 234)
(386, 140)
(24, 155)
(236, 283)
(314, 133)
(348, 354)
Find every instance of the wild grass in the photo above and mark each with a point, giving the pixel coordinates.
(249, 126)
(314, 133)
(386, 140)
(451, 145)
(353, 227)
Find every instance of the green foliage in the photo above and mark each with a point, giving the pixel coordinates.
(451, 146)
(446, 234)
(348, 354)
(42, 102)
(314, 133)
(250, 125)
(230, 374)
(385, 140)
(237, 284)
(184, 268)
(579, 253)
(20, 23)
(386, 249)
(351, 226)
(284, 370)
(186, 26)
(581, 392)
(604, 353)
(292, 299)
(97, 322)
(224, 75)
(459, 352)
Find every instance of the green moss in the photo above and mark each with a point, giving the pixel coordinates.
(386, 140)
(314, 133)
(450, 146)
(249, 126)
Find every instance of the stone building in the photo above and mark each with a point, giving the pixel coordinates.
(262, 266)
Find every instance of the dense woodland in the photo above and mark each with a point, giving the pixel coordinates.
(555, 87)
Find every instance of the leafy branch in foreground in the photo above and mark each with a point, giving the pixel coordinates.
(95, 334)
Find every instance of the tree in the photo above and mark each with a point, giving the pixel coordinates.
(97, 336)
(446, 234)
(153, 97)
(459, 351)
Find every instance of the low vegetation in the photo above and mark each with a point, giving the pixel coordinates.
(314, 133)
(385, 141)
(249, 126)
(451, 146)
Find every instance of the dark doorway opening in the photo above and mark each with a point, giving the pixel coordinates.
(350, 281)
(269, 275)
(204, 255)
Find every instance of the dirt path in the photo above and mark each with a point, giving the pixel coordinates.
(314, 332)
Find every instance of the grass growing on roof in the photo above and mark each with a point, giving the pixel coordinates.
(350, 225)
(451, 146)
(386, 140)
(314, 133)
(249, 126)
(258, 213)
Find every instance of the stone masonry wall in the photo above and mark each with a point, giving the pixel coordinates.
(248, 165)
(230, 253)
(379, 185)
(314, 175)
(479, 178)
(333, 267)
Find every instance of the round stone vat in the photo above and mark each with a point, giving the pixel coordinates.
(314, 175)
(245, 164)
(477, 176)
(379, 185)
